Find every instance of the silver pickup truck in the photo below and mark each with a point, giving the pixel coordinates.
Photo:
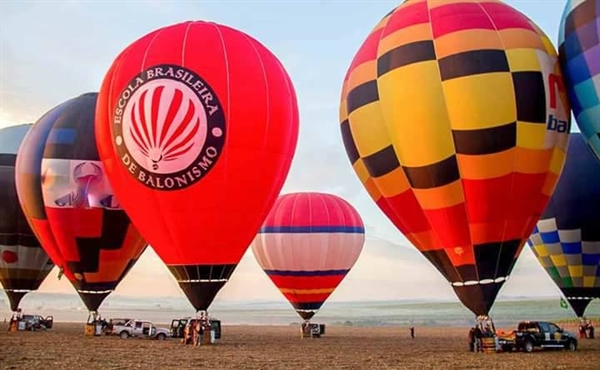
(140, 328)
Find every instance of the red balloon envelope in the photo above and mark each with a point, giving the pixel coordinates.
(68, 201)
(307, 245)
(197, 125)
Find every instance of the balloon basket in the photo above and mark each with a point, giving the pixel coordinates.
(200, 332)
(17, 325)
(488, 344)
(92, 330)
(208, 337)
(310, 330)
(14, 326)
(89, 330)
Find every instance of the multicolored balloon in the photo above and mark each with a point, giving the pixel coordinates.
(23, 262)
(455, 119)
(70, 205)
(566, 240)
(307, 245)
(197, 124)
(579, 53)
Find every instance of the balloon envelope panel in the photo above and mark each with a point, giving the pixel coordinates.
(455, 118)
(566, 240)
(23, 262)
(579, 50)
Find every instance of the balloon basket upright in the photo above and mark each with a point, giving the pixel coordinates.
(93, 326)
(489, 337)
(488, 345)
(202, 330)
(16, 322)
(311, 330)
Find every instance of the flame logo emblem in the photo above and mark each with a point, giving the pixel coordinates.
(166, 124)
(168, 127)
(167, 139)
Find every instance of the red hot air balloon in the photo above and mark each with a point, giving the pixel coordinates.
(68, 201)
(197, 124)
(307, 245)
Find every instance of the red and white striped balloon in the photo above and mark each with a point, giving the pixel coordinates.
(307, 245)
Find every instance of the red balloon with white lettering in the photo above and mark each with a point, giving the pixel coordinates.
(197, 125)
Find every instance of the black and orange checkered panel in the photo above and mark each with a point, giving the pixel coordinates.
(454, 117)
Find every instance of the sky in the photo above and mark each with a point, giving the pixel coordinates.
(51, 51)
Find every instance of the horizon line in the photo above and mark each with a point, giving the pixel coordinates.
(258, 301)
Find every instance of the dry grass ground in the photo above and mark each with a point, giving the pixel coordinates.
(277, 347)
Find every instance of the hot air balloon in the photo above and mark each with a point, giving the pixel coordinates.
(566, 240)
(307, 245)
(69, 203)
(454, 118)
(197, 125)
(23, 263)
(579, 55)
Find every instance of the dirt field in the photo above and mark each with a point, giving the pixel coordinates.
(278, 347)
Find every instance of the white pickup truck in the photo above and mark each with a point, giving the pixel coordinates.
(140, 328)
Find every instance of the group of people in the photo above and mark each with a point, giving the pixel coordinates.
(483, 329)
(193, 333)
(586, 329)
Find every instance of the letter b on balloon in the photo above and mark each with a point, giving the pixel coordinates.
(555, 122)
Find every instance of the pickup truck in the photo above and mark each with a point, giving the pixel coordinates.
(139, 328)
(537, 334)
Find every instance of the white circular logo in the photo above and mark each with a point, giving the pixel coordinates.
(164, 126)
(168, 127)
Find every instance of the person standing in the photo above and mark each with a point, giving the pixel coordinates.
(412, 332)
(582, 328)
(472, 340)
(478, 336)
(197, 327)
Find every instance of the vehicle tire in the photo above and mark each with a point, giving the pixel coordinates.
(528, 346)
(124, 334)
(161, 336)
(571, 346)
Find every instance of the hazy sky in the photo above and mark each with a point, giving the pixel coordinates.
(52, 51)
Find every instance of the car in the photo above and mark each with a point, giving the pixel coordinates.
(139, 328)
(540, 334)
(37, 322)
(178, 327)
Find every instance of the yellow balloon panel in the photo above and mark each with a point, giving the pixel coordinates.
(492, 103)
